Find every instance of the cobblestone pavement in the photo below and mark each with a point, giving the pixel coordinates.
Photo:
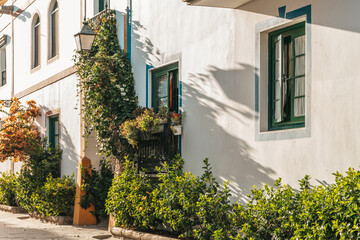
(20, 226)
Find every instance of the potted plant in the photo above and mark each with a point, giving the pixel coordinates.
(146, 123)
(176, 123)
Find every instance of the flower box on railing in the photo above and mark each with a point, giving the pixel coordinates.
(177, 130)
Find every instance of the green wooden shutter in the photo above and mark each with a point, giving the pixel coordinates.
(54, 132)
(278, 81)
(101, 5)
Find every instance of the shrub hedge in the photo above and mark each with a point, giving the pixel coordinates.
(40, 188)
(198, 208)
(7, 189)
(96, 185)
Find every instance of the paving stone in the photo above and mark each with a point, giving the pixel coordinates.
(17, 226)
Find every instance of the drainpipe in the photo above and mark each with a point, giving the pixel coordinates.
(12, 64)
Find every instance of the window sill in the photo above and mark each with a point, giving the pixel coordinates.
(35, 69)
(285, 133)
(53, 59)
(288, 125)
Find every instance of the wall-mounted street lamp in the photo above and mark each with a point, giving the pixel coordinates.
(85, 38)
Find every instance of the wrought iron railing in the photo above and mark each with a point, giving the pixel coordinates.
(156, 149)
(96, 20)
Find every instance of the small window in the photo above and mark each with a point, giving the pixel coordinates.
(287, 77)
(101, 5)
(3, 67)
(165, 88)
(54, 133)
(54, 30)
(36, 42)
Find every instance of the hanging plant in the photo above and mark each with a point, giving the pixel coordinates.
(107, 87)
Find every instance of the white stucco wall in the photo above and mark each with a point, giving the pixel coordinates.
(60, 98)
(216, 51)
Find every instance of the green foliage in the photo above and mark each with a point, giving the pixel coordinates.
(145, 121)
(269, 214)
(174, 200)
(213, 208)
(322, 212)
(190, 206)
(39, 186)
(96, 185)
(56, 197)
(107, 87)
(198, 208)
(7, 189)
(41, 163)
(129, 200)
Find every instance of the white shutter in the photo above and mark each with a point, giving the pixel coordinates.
(278, 81)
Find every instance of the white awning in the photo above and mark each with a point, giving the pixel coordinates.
(218, 3)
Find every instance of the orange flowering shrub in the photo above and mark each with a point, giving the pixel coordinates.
(19, 135)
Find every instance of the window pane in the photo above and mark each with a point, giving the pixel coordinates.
(277, 50)
(277, 72)
(300, 86)
(54, 34)
(278, 109)
(300, 45)
(56, 141)
(3, 78)
(56, 127)
(162, 86)
(299, 107)
(277, 90)
(163, 102)
(299, 65)
(36, 46)
(3, 67)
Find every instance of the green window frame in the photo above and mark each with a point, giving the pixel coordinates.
(287, 77)
(54, 132)
(165, 88)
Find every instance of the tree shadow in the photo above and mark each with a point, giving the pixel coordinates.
(70, 158)
(145, 46)
(221, 109)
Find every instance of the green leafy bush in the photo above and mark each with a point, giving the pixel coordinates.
(189, 206)
(269, 214)
(129, 200)
(146, 120)
(174, 200)
(7, 189)
(322, 212)
(107, 87)
(213, 208)
(97, 187)
(39, 186)
(56, 197)
(198, 208)
(41, 163)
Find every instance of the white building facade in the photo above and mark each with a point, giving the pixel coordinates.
(268, 87)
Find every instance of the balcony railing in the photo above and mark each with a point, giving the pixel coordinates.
(156, 149)
(96, 20)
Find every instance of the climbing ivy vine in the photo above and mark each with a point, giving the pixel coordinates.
(107, 87)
